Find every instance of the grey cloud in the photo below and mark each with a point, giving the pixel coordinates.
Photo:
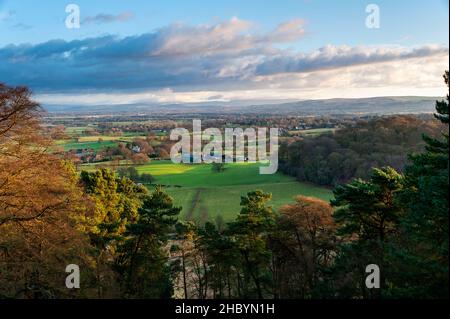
(215, 97)
(171, 56)
(331, 57)
(224, 55)
(108, 18)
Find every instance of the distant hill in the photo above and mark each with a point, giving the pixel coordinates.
(363, 106)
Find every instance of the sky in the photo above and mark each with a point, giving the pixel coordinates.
(192, 51)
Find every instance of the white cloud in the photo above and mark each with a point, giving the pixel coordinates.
(229, 59)
(419, 77)
(335, 57)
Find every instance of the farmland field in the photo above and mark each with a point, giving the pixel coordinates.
(95, 142)
(313, 132)
(128, 137)
(94, 145)
(205, 194)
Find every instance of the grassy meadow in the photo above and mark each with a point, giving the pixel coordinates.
(205, 194)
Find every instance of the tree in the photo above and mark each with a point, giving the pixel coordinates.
(351, 152)
(251, 231)
(164, 154)
(143, 145)
(221, 257)
(144, 261)
(115, 205)
(139, 159)
(442, 112)
(146, 178)
(218, 167)
(423, 260)
(129, 172)
(59, 133)
(39, 202)
(368, 218)
(125, 151)
(183, 248)
(116, 202)
(305, 244)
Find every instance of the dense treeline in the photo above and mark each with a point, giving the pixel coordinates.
(38, 200)
(129, 242)
(351, 152)
(260, 254)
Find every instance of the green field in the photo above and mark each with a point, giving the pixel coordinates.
(313, 132)
(75, 130)
(92, 142)
(205, 194)
(128, 137)
(73, 145)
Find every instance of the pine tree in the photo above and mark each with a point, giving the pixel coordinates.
(423, 261)
(442, 106)
(368, 218)
(251, 231)
(144, 258)
(115, 204)
(222, 256)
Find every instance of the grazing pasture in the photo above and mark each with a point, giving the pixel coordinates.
(205, 194)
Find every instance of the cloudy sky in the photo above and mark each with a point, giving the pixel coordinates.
(223, 50)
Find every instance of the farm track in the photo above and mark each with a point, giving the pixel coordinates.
(195, 203)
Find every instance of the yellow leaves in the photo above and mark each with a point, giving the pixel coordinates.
(39, 199)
